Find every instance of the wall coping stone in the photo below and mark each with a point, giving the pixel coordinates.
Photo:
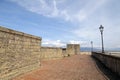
(3, 29)
(51, 47)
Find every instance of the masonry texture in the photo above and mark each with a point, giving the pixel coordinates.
(51, 53)
(48, 53)
(19, 52)
(73, 49)
(110, 61)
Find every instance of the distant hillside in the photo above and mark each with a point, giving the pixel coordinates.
(98, 49)
(88, 49)
(113, 49)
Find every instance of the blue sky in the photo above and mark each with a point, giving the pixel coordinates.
(59, 22)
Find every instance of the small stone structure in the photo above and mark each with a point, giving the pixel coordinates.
(64, 52)
(21, 52)
(73, 49)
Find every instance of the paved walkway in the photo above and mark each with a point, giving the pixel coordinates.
(77, 67)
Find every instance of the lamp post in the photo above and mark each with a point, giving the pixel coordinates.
(101, 30)
(91, 46)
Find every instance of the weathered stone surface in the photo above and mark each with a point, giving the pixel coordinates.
(73, 49)
(54, 53)
(85, 53)
(17, 51)
(51, 53)
(21, 52)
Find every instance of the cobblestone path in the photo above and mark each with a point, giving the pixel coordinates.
(77, 67)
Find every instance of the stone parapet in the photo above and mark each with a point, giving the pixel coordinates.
(21, 52)
(85, 53)
(6, 30)
(110, 61)
(73, 49)
(17, 51)
(51, 53)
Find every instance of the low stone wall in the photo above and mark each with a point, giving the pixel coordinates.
(73, 49)
(51, 53)
(56, 52)
(19, 52)
(110, 61)
(64, 52)
(85, 53)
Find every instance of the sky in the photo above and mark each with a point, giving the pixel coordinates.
(61, 22)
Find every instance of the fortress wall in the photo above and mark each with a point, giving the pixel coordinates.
(19, 52)
(48, 53)
(73, 49)
(51, 53)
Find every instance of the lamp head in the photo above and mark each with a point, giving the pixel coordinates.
(101, 28)
(91, 42)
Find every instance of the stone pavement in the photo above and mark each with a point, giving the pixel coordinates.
(77, 67)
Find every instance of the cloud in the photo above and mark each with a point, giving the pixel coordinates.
(74, 42)
(59, 43)
(39, 6)
(61, 9)
(53, 43)
(82, 43)
(87, 15)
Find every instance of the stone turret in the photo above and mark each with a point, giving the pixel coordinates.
(73, 49)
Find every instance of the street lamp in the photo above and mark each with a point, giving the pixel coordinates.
(91, 46)
(101, 30)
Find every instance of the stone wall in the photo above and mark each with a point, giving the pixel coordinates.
(73, 49)
(51, 53)
(56, 52)
(110, 61)
(85, 53)
(64, 52)
(19, 52)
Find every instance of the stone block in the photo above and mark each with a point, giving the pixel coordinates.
(17, 52)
